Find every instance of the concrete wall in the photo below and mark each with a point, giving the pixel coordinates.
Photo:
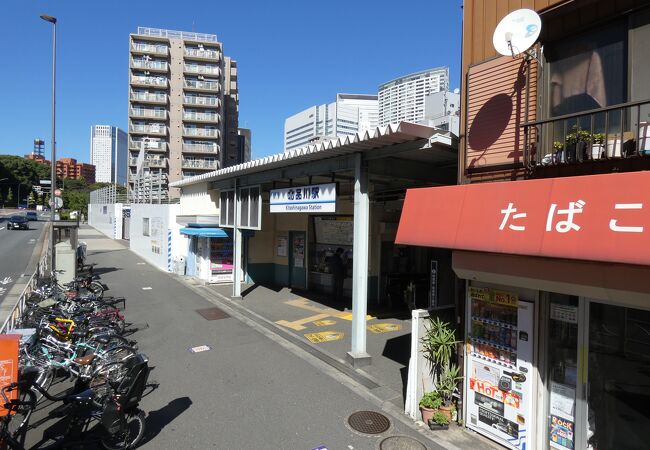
(197, 199)
(106, 218)
(161, 241)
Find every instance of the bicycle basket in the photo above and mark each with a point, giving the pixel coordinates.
(133, 384)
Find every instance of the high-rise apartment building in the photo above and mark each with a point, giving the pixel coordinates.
(69, 168)
(182, 98)
(402, 99)
(108, 153)
(349, 114)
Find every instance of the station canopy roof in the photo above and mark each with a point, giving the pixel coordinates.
(389, 135)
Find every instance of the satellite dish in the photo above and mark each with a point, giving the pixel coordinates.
(517, 32)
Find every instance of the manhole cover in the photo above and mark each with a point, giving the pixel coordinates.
(401, 443)
(369, 422)
(212, 313)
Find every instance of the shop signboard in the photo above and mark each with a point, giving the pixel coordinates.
(499, 366)
(433, 289)
(315, 198)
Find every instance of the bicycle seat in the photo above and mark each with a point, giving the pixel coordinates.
(83, 398)
(84, 360)
(102, 339)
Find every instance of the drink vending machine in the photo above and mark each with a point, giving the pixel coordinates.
(499, 372)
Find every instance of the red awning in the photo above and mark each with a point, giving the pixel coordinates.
(597, 217)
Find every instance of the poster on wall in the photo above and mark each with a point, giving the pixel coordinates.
(299, 252)
(155, 232)
(562, 411)
(561, 433)
(282, 246)
(334, 230)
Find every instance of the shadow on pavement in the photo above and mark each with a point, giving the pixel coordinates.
(159, 419)
(399, 350)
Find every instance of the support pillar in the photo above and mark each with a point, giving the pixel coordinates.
(358, 356)
(237, 241)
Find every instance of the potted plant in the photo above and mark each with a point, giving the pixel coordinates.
(429, 405)
(439, 347)
(439, 421)
(597, 145)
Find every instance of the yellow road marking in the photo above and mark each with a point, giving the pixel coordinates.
(384, 327)
(324, 323)
(324, 336)
(304, 304)
(298, 324)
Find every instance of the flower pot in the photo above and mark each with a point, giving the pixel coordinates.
(436, 426)
(427, 414)
(447, 410)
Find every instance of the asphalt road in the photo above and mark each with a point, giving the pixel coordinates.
(16, 247)
(247, 391)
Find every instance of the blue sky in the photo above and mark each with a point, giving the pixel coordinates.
(290, 55)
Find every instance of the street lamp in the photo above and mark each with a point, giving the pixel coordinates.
(52, 20)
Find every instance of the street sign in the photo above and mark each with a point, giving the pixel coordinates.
(46, 181)
(57, 192)
(58, 202)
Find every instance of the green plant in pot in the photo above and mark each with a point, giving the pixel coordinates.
(438, 421)
(429, 404)
(597, 145)
(439, 347)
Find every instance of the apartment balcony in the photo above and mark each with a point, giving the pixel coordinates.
(200, 132)
(211, 148)
(148, 97)
(158, 130)
(193, 116)
(209, 102)
(200, 164)
(201, 69)
(148, 113)
(149, 49)
(202, 54)
(157, 163)
(139, 80)
(151, 146)
(619, 133)
(151, 66)
(205, 86)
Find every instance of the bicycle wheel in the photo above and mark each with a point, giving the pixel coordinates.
(97, 288)
(131, 434)
(44, 380)
(17, 425)
(117, 354)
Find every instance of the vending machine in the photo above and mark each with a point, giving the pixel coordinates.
(499, 371)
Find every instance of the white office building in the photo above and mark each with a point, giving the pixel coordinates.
(442, 111)
(349, 114)
(403, 99)
(108, 153)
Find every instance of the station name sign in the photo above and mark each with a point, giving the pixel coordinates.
(316, 198)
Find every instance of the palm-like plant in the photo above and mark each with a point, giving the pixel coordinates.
(439, 344)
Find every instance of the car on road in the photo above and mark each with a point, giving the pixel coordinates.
(31, 216)
(17, 223)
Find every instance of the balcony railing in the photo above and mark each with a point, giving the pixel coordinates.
(202, 53)
(202, 85)
(149, 48)
(150, 162)
(203, 70)
(148, 81)
(200, 132)
(152, 97)
(200, 101)
(199, 164)
(200, 116)
(148, 113)
(148, 129)
(155, 146)
(201, 148)
(149, 65)
(614, 132)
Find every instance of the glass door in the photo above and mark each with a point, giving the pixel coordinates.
(563, 374)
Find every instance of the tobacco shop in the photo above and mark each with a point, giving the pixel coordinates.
(555, 347)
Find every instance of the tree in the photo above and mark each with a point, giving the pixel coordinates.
(31, 200)
(10, 196)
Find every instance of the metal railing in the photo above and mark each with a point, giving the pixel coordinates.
(201, 69)
(613, 132)
(203, 132)
(158, 97)
(199, 164)
(202, 53)
(201, 101)
(149, 48)
(149, 65)
(201, 148)
(16, 312)
(200, 116)
(107, 195)
(148, 112)
(149, 145)
(148, 129)
(204, 85)
(148, 81)
(173, 34)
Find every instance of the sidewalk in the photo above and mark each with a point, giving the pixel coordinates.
(258, 386)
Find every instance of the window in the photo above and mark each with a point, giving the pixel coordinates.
(145, 226)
